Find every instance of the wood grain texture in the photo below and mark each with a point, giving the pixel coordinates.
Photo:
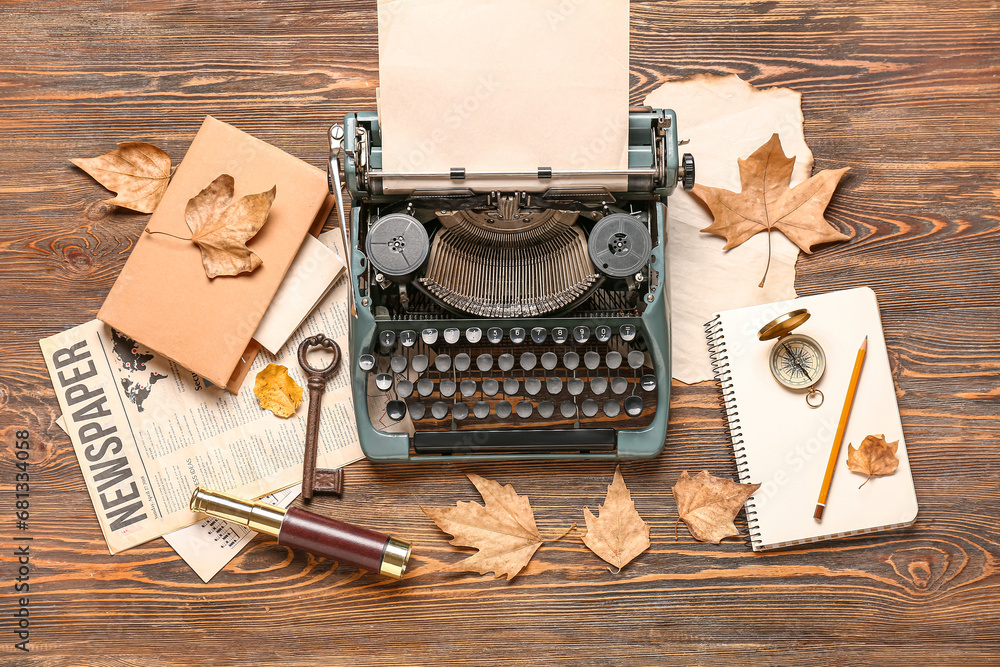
(904, 92)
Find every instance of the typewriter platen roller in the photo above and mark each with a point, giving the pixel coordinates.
(510, 323)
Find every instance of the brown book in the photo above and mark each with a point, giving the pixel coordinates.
(164, 300)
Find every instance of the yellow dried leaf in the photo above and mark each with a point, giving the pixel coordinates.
(708, 504)
(618, 534)
(221, 227)
(136, 172)
(276, 391)
(875, 457)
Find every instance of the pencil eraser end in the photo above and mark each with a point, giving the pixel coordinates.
(818, 514)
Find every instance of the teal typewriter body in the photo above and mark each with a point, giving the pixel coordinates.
(493, 323)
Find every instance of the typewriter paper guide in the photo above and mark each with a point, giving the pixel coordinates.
(504, 86)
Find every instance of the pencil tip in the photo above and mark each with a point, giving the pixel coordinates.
(864, 345)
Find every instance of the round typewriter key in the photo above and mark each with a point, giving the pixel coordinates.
(366, 362)
(383, 381)
(554, 385)
(447, 388)
(603, 334)
(404, 388)
(559, 336)
(589, 407)
(575, 386)
(613, 359)
(481, 409)
(473, 335)
(538, 335)
(494, 335)
(387, 339)
(425, 387)
(511, 385)
(439, 410)
(417, 410)
(467, 387)
(396, 410)
(524, 409)
(549, 360)
(503, 409)
(484, 362)
(592, 360)
(505, 362)
(517, 335)
(451, 335)
(442, 362)
(571, 360)
(611, 408)
(581, 334)
(648, 382)
(408, 338)
(567, 409)
(490, 387)
(619, 384)
(398, 363)
(429, 336)
(598, 385)
(462, 362)
(633, 406)
(546, 409)
(528, 360)
(419, 363)
(460, 411)
(532, 385)
(636, 359)
(627, 332)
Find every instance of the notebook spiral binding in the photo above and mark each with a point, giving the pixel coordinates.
(719, 356)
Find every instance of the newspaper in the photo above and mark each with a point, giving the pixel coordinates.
(147, 431)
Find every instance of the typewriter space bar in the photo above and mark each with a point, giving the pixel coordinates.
(515, 441)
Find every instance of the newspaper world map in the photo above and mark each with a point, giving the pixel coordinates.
(136, 380)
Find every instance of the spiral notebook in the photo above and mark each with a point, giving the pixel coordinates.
(784, 445)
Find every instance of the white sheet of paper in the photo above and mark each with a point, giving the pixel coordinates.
(312, 273)
(503, 85)
(725, 118)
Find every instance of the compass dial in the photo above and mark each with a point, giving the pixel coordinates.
(797, 361)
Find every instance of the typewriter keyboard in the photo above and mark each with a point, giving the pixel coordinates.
(469, 378)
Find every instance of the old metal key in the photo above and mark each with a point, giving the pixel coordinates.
(313, 480)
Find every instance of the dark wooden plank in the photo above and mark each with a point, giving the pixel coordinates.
(905, 93)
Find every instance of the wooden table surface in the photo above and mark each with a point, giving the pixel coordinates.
(907, 93)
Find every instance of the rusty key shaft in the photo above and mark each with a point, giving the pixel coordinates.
(313, 480)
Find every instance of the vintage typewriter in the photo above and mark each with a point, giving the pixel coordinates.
(510, 323)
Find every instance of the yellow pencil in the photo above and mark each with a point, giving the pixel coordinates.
(841, 427)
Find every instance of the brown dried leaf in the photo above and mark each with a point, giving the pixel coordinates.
(765, 202)
(619, 534)
(276, 391)
(503, 531)
(221, 227)
(708, 504)
(875, 457)
(136, 172)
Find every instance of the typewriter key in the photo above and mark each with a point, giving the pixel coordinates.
(575, 386)
(439, 410)
(560, 335)
(510, 386)
(417, 410)
(532, 385)
(408, 338)
(528, 360)
(419, 363)
(467, 387)
(404, 388)
(383, 381)
(554, 385)
(603, 334)
(491, 387)
(549, 360)
(611, 408)
(524, 409)
(451, 335)
(627, 332)
(386, 340)
(613, 359)
(581, 334)
(462, 362)
(473, 335)
(589, 408)
(398, 363)
(598, 385)
(442, 362)
(567, 409)
(494, 335)
(505, 362)
(592, 360)
(425, 387)
(396, 410)
(538, 335)
(460, 411)
(571, 360)
(619, 385)
(429, 336)
(517, 335)
(648, 382)
(633, 406)
(546, 409)
(366, 362)
(484, 362)
(636, 359)
(447, 388)
(481, 409)
(503, 409)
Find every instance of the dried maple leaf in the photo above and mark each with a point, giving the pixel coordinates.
(276, 391)
(875, 457)
(137, 173)
(708, 504)
(503, 530)
(619, 534)
(221, 227)
(765, 202)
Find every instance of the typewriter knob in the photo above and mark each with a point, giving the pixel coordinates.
(687, 171)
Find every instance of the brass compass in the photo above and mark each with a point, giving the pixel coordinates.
(796, 361)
